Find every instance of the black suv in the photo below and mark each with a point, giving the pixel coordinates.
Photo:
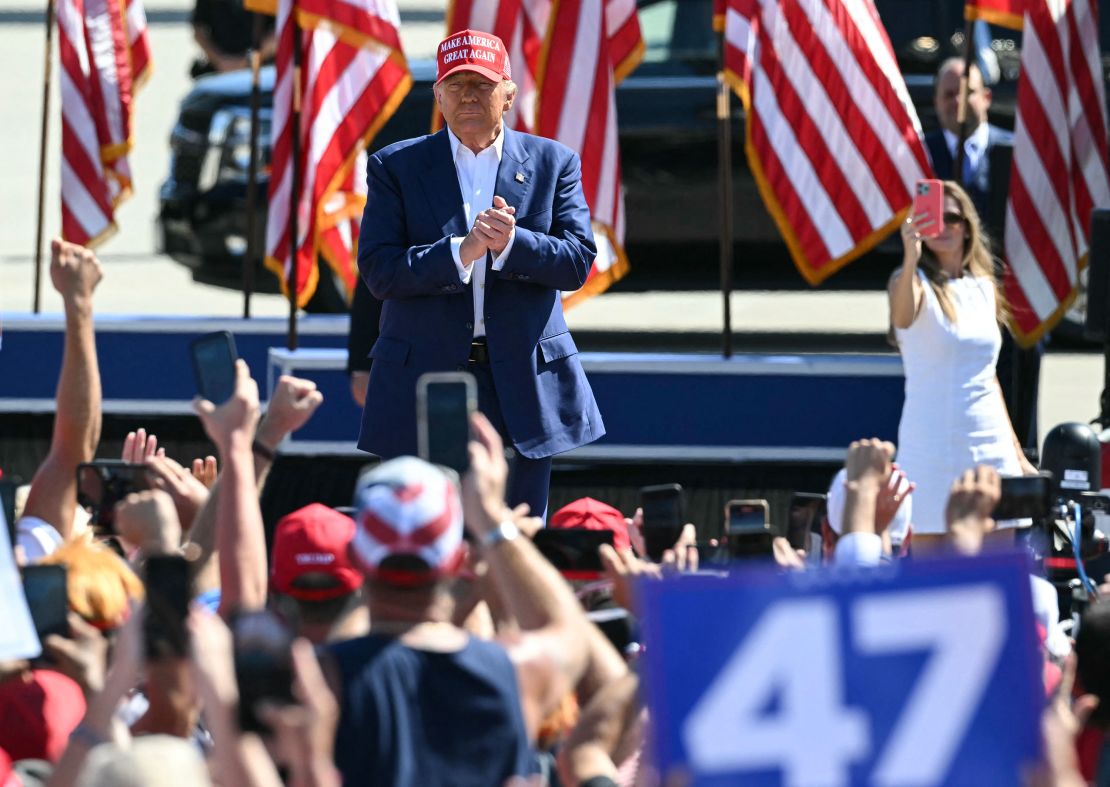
(667, 140)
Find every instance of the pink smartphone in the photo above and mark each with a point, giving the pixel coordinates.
(928, 202)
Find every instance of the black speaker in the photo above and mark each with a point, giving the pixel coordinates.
(1098, 276)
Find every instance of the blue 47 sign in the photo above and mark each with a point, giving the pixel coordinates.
(924, 673)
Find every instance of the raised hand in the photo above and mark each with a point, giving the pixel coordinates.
(139, 446)
(235, 419)
(74, 270)
(292, 403)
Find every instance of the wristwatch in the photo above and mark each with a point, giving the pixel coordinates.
(506, 531)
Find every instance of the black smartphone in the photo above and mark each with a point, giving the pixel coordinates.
(748, 529)
(214, 359)
(263, 665)
(104, 482)
(803, 521)
(664, 509)
(45, 590)
(1024, 496)
(444, 403)
(167, 606)
(574, 551)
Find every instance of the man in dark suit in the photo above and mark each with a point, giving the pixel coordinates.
(1018, 370)
(982, 136)
(468, 237)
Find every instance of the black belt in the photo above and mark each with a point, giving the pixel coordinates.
(479, 351)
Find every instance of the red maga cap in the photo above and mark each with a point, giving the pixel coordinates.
(472, 50)
(313, 540)
(592, 514)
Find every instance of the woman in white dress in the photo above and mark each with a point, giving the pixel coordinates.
(946, 310)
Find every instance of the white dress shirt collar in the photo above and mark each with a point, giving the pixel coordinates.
(976, 142)
(456, 144)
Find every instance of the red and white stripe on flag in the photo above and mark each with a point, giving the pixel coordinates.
(590, 46)
(831, 134)
(353, 77)
(138, 38)
(1059, 174)
(97, 91)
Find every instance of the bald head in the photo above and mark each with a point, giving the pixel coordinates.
(946, 98)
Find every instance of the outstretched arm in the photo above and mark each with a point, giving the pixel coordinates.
(75, 272)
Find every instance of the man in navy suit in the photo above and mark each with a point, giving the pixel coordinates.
(468, 237)
(982, 136)
(1018, 370)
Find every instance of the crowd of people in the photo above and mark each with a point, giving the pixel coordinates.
(418, 638)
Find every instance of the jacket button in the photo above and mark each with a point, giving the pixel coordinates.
(470, 326)
(460, 368)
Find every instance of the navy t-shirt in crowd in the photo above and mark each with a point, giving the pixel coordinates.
(416, 717)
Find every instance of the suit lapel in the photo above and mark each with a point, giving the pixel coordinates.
(514, 175)
(440, 182)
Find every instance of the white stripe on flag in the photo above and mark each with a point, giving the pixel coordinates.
(81, 204)
(1022, 261)
(580, 76)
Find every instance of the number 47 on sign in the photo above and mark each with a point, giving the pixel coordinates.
(924, 674)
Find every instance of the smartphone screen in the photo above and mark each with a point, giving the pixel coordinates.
(664, 515)
(103, 483)
(214, 358)
(807, 509)
(574, 551)
(749, 533)
(45, 590)
(444, 403)
(167, 605)
(263, 665)
(1023, 497)
(928, 202)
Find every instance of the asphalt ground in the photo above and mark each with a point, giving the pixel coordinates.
(642, 314)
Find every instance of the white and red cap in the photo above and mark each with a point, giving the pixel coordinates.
(407, 507)
(473, 50)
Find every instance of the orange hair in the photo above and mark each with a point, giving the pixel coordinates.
(99, 584)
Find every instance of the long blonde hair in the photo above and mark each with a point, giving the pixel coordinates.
(978, 260)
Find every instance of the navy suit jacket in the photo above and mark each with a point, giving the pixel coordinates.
(979, 187)
(413, 209)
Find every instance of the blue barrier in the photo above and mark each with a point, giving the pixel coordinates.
(766, 408)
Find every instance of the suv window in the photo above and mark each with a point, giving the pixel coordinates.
(677, 32)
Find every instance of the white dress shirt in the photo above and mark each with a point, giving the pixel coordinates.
(477, 180)
(974, 148)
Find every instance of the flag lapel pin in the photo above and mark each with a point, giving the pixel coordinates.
(520, 177)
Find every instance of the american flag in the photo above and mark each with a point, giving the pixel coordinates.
(831, 134)
(353, 76)
(100, 42)
(567, 58)
(1059, 174)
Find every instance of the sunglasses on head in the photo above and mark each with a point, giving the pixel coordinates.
(951, 218)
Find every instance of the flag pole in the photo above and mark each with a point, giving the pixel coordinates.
(252, 168)
(294, 192)
(963, 117)
(724, 176)
(48, 60)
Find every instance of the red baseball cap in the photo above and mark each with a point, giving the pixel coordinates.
(593, 515)
(472, 50)
(37, 713)
(313, 540)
